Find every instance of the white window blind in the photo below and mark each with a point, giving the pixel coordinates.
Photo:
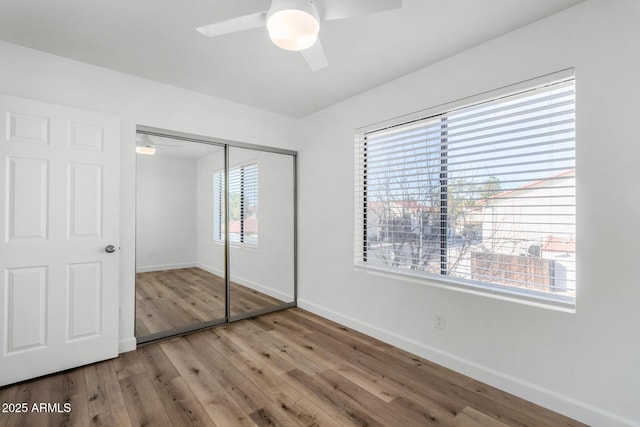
(243, 204)
(482, 195)
(218, 206)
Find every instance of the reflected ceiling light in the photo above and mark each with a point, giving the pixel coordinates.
(141, 149)
(144, 145)
(293, 25)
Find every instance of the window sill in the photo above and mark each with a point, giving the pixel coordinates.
(237, 245)
(521, 296)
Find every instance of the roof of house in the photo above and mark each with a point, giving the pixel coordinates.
(527, 186)
(250, 226)
(558, 244)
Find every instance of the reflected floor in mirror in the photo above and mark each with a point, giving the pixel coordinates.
(171, 299)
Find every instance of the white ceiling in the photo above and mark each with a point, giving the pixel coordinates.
(156, 39)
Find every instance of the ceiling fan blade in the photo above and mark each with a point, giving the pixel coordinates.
(233, 25)
(315, 56)
(339, 9)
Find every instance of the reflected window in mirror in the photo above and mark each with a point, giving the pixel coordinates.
(243, 204)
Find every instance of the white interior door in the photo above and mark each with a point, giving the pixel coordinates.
(59, 210)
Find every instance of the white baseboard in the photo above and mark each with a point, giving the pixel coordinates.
(274, 293)
(209, 269)
(161, 267)
(555, 401)
(126, 345)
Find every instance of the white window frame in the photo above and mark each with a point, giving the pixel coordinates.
(545, 299)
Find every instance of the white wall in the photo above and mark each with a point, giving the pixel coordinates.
(32, 74)
(165, 212)
(267, 267)
(584, 364)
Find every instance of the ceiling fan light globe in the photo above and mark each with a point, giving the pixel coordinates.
(293, 29)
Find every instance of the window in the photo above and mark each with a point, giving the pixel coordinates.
(243, 204)
(482, 195)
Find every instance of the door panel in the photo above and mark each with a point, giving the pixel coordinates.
(28, 128)
(59, 208)
(85, 137)
(28, 202)
(26, 303)
(84, 293)
(85, 193)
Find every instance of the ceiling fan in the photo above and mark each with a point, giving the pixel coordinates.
(144, 145)
(294, 24)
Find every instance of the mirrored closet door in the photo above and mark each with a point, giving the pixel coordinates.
(180, 276)
(215, 232)
(261, 231)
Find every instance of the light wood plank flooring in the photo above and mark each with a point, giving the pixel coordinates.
(170, 299)
(289, 368)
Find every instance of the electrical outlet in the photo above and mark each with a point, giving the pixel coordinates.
(439, 321)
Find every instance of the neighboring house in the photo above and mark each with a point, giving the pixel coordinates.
(512, 225)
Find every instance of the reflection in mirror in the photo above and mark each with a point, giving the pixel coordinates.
(261, 230)
(179, 281)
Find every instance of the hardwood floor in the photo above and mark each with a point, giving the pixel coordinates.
(289, 368)
(170, 299)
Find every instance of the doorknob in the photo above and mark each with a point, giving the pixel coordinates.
(110, 249)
